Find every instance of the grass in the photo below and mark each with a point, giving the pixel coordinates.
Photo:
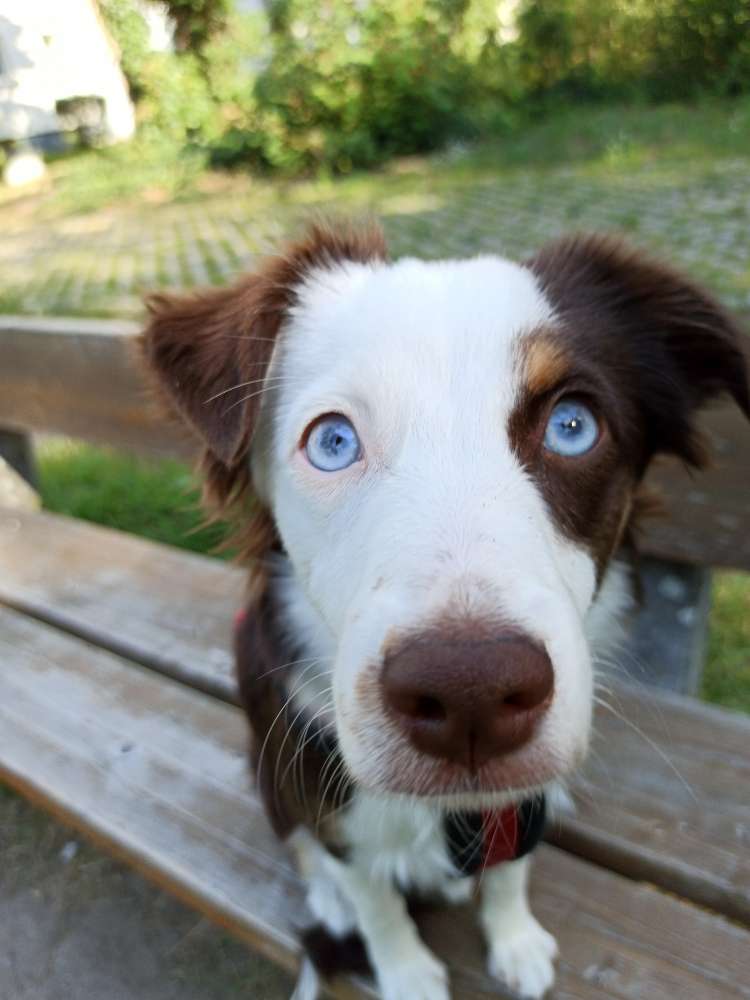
(726, 680)
(602, 139)
(160, 501)
(112, 223)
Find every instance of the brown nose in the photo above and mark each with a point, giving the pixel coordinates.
(466, 700)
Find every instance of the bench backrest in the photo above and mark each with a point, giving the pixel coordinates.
(81, 378)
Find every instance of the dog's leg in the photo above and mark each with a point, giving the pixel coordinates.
(521, 952)
(344, 898)
(404, 966)
(308, 984)
(324, 896)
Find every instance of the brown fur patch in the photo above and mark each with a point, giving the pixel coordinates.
(545, 362)
(668, 345)
(297, 779)
(207, 355)
(644, 348)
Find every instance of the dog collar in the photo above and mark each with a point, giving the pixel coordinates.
(481, 839)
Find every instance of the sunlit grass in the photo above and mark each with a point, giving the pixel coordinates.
(726, 680)
(158, 500)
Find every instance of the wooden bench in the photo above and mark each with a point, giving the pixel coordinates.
(118, 713)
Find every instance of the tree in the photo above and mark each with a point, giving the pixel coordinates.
(197, 21)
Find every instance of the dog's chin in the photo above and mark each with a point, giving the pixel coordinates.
(450, 786)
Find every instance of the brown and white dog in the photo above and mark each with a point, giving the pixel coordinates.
(444, 460)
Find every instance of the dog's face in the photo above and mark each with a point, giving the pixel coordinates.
(450, 452)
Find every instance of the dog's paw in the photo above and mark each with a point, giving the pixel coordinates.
(332, 909)
(457, 890)
(524, 959)
(417, 976)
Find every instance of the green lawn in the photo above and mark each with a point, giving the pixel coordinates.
(113, 223)
(160, 501)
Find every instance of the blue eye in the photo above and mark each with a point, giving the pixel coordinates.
(332, 444)
(572, 429)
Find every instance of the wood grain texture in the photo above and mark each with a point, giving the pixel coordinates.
(156, 772)
(80, 377)
(157, 605)
(664, 796)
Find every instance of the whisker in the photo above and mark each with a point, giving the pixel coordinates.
(252, 395)
(654, 746)
(278, 715)
(252, 381)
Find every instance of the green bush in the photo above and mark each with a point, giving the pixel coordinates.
(657, 49)
(330, 85)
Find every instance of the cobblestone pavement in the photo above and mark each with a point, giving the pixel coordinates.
(102, 262)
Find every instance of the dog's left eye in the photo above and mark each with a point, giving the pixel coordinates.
(572, 429)
(332, 443)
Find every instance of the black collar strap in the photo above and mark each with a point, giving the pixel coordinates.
(479, 840)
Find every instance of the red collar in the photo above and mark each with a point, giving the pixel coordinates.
(479, 840)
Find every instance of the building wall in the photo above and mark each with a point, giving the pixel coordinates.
(51, 50)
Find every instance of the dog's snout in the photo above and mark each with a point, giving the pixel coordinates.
(467, 700)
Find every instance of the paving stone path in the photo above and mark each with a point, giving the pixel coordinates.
(102, 262)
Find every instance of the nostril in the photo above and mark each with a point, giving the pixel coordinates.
(522, 700)
(418, 707)
(429, 709)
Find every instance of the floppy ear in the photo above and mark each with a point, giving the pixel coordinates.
(676, 346)
(210, 351)
(202, 348)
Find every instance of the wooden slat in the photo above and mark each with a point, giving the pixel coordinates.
(708, 520)
(664, 797)
(154, 604)
(156, 772)
(79, 377)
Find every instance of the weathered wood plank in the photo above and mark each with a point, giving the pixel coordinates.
(708, 513)
(667, 643)
(156, 772)
(154, 604)
(663, 797)
(172, 611)
(79, 377)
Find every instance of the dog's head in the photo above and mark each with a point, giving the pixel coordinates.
(450, 453)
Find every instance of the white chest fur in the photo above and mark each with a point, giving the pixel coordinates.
(398, 840)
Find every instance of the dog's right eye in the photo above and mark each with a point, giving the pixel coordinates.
(332, 443)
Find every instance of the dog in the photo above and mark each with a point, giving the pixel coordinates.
(435, 472)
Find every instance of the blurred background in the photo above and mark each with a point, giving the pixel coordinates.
(149, 144)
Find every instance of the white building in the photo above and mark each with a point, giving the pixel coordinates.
(52, 50)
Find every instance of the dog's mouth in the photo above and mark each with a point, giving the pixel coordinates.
(401, 771)
(494, 784)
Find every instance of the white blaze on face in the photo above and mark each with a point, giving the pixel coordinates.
(423, 360)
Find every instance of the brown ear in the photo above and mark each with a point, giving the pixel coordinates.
(202, 348)
(674, 347)
(210, 351)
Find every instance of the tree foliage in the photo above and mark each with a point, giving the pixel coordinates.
(337, 84)
(197, 21)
